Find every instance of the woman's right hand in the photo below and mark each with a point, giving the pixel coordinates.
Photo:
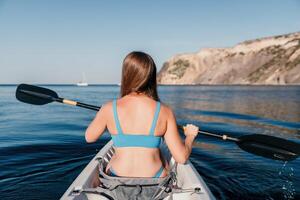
(190, 130)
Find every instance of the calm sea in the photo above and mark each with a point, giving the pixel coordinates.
(42, 148)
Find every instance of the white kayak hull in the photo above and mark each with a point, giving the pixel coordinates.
(187, 178)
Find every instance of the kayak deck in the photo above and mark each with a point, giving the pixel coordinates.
(187, 176)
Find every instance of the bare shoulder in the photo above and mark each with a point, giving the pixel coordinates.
(107, 105)
(105, 108)
(166, 110)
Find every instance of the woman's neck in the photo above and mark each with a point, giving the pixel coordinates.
(137, 94)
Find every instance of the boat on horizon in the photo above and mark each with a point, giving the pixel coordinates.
(83, 82)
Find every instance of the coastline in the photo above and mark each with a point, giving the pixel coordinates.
(293, 84)
(115, 84)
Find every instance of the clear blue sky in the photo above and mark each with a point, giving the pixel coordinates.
(55, 41)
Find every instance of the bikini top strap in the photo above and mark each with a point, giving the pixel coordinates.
(155, 118)
(116, 118)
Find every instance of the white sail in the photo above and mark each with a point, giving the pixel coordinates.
(83, 81)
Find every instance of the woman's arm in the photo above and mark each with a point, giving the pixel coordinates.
(97, 126)
(179, 150)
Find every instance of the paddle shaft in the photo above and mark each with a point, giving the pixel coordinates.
(223, 137)
(79, 104)
(96, 108)
(91, 107)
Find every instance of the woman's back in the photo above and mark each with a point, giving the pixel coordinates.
(136, 115)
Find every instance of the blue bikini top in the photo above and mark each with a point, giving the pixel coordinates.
(129, 140)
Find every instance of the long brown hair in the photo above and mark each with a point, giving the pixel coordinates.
(139, 75)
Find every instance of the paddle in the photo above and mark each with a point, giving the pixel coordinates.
(258, 144)
(262, 145)
(39, 96)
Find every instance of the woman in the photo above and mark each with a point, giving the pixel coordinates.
(137, 122)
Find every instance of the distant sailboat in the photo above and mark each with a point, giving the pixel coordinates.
(83, 81)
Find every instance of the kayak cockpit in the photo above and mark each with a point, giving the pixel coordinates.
(183, 182)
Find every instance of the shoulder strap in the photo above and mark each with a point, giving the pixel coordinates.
(116, 118)
(155, 118)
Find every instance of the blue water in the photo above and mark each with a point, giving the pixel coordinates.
(42, 148)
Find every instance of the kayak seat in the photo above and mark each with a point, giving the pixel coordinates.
(119, 187)
(129, 140)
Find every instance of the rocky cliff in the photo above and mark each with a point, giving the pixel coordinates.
(271, 60)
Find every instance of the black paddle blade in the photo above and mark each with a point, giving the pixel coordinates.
(270, 147)
(35, 95)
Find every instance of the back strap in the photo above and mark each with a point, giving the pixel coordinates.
(116, 118)
(154, 122)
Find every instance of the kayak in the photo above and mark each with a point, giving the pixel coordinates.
(191, 184)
